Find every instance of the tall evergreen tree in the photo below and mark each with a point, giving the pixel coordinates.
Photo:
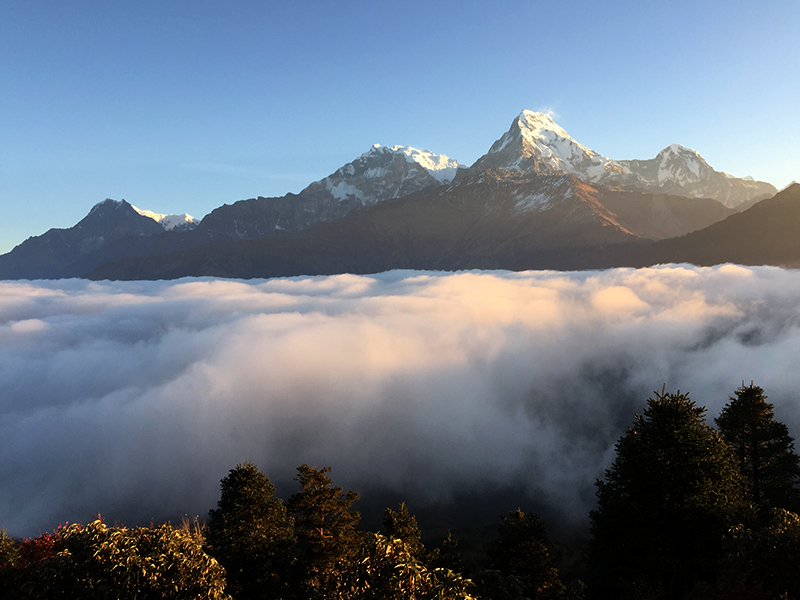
(447, 555)
(523, 549)
(764, 448)
(400, 524)
(325, 525)
(251, 534)
(663, 507)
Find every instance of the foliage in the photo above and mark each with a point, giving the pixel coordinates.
(491, 584)
(9, 557)
(9, 552)
(386, 569)
(251, 534)
(523, 549)
(764, 448)
(325, 526)
(762, 562)
(102, 562)
(399, 524)
(672, 492)
(447, 555)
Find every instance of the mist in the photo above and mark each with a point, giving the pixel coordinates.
(133, 399)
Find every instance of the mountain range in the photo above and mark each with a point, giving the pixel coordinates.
(536, 199)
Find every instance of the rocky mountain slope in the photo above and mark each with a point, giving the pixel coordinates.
(378, 175)
(679, 170)
(114, 230)
(489, 220)
(67, 252)
(766, 234)
(535, 144)
(505, 206)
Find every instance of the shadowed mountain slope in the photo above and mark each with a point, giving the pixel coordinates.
(68, 252)
(496, 219)
(766, 234)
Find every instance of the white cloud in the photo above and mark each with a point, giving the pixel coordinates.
(134, 399)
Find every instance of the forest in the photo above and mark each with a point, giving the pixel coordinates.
(686, 510)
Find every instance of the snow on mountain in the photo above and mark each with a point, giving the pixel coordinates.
(441, 168)
(680, 170)
(106, 205)
(536, 144)
(169, 222)
(384, 173)
(674, 164)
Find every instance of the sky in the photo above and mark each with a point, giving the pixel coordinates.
(133, 399)
(184, 106)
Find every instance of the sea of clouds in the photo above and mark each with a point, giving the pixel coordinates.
(133, 399)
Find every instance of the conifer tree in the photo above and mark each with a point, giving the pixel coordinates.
(399, 524)
(523, 549)
(671, 494)
(325, 525)
(447, 555)
(251, 534)
(764, 448)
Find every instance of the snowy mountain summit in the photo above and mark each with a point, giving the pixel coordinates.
(169, 222)
(440, 167)
(384, 173)
(682, 171)
(536, 144)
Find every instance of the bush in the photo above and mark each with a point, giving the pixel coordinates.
(103, 562)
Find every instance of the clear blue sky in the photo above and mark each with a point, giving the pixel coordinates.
(183, 106)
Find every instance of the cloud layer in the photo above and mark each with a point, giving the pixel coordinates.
(134, 399)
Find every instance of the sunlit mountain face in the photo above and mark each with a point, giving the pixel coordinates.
(134, 399)
(536, 190)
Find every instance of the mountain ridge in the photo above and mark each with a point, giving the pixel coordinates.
(501, 220)
(535, 143)
(652, 199)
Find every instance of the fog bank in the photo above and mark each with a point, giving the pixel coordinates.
(132, 399)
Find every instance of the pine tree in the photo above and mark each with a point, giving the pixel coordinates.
(523, 549)
(447, 555)
(399, 524)
(325, 525)
(251, 534)
(672, 492)
(764, 448)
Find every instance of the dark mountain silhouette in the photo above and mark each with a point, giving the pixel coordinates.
(496, 219)
(766, 234)
(69, 252)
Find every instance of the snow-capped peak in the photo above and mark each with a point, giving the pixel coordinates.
(169, 222)
(535, 143)
(681, 164)
(383, 173)
(440, 167)
(555, 144)
(107, 203)
(679, 151)
(540, 125)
